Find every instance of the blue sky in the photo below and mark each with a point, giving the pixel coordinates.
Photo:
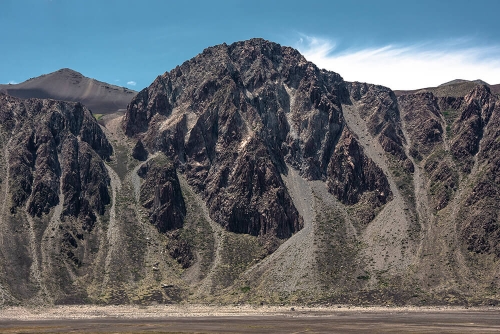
(400, 44)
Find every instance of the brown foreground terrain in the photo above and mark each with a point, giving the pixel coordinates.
(248, 319)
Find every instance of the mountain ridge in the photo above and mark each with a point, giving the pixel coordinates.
(456, 88)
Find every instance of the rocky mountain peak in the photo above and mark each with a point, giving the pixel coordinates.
(236, 117)
(69, 72)
(480, 94)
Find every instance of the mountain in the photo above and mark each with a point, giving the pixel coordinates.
(68, 85)
(454, 88)
(459, 81)
(247, 174)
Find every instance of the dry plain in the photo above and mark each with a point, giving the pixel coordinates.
(248, 319)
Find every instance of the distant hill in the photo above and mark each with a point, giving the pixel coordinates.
(495, 89)
(454, 88)
(459, 81)
(69, 85)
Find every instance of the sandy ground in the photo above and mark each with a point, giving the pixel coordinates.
(248, 319)
(161, 311)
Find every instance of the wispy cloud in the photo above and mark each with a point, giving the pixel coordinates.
(131, 83)
(406, 66)
(12, 82)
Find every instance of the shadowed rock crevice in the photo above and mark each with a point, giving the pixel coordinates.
(139, 152)
(161, 194)
(352, 173)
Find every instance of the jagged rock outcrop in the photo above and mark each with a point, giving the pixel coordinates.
(460, 158)
(443, 180)
(423, 119)
(233, 117)
(480, 217)
(352, 173)
(468, 129)
(161, 194)
(180, 250)
(54, 185)
(139, 152)
(378, 108)
(55, 146)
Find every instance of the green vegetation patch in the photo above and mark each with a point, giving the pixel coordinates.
(245, 289)
(450, 116)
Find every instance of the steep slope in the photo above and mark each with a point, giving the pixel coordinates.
(71, 230)
(452, 139)
(54, 187)
(68, 85)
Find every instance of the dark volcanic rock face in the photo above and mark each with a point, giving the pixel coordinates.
(54, 187)
(480, 217)
(477, 108)
(180, 250)
(139, 152)
(55, 149)
(428, 122)
(471, 141)
(351, 173)
(233, 117)
(161, 194)
(423, 122)
(378, 107)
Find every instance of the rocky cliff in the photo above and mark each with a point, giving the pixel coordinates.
(54, 186)
(236, 117)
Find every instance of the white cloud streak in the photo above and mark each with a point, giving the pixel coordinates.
(12, 82)
(406, 67)
(131, 83)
